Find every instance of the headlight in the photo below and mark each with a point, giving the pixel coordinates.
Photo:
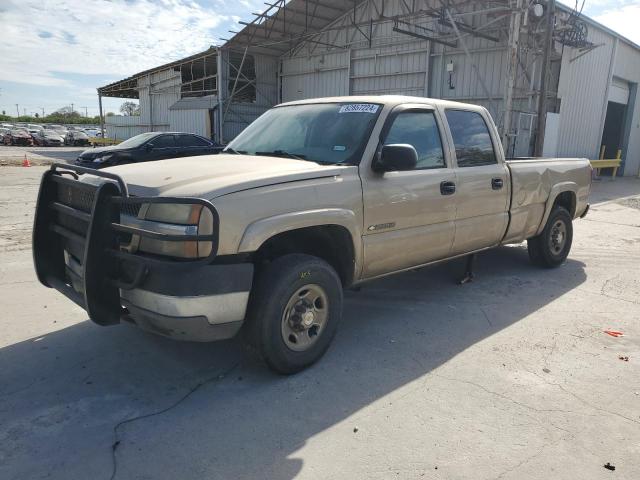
(176, 219)
(102, 159)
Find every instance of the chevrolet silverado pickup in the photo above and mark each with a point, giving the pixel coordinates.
(313, 197)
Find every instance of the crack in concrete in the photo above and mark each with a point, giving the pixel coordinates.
(116, 438)
(611, 223)
(504, 397)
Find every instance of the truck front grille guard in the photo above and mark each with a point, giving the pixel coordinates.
(77, 238)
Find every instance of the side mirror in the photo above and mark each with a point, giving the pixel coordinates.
(396, 157)
(148, 147)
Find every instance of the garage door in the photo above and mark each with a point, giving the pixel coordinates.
(619, 91)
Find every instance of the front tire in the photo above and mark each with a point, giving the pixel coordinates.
(551, 248)
(294, 312)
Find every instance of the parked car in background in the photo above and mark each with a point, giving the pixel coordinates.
(18, 136)
(48, 138)
(3, 131)
(147, 147)
(34, 126)
(77, 138)
(6, 125)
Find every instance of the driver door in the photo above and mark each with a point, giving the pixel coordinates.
(409, 216)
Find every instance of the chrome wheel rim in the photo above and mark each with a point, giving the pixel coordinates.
(558, 237)
(305, 317)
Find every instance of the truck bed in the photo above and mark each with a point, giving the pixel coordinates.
(535, 184)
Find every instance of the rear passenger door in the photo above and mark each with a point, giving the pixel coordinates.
(483, 189)
(409, 215)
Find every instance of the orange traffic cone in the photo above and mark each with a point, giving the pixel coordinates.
(25, 162)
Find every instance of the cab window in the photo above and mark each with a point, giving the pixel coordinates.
(471, 138)
(420, 130)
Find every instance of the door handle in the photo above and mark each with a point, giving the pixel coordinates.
(497, 183)
(447, 188)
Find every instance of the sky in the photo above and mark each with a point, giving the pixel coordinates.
(57, 52)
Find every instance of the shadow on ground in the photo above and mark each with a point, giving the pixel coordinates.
(62, 394)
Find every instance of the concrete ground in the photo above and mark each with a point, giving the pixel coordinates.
(508, 377)
(14, 155)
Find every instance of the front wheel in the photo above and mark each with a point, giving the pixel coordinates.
(552, 246)
(294, 312)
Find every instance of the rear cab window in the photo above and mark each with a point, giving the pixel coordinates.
(471, 137)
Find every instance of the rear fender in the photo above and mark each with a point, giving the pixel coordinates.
(556, 190)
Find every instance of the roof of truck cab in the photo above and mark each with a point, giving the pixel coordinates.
(386, 100)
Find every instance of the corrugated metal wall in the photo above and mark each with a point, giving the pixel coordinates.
(395, 63)
(322, 75)
(583, 93)
(190, 121)
(157, 92)
(120, 127)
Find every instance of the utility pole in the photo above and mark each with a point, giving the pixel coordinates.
(514, 38)
(544, 73)
(42, 108)
(72, 109)
(18, 109)
(85, 112)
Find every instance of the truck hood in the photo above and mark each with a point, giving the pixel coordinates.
(211, 176)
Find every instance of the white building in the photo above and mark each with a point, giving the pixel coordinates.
(469, 51)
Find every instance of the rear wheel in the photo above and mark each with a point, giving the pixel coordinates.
(294, 312)
(551, 248)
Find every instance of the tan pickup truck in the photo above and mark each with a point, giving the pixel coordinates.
(313, 197)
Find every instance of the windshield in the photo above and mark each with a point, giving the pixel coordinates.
(328, 133)
(136, 141)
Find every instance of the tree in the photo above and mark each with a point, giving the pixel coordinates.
(109, 114)
(37, 115)
(4, 112)
(130, 108)
(66, 113)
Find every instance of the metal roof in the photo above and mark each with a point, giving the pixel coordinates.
(284, 24)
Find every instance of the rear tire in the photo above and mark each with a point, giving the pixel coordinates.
(294, 312)
(551, 248)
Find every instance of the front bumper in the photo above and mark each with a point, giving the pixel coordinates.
(81, 248)
(201, 305)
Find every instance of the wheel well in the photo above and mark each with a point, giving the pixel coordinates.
(332, 243)
(568, 201)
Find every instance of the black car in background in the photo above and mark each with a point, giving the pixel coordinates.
(148, 147)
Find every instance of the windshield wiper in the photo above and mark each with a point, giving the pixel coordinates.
(337, 164)
(282, 153)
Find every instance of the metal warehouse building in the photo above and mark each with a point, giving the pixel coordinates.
(517, 58)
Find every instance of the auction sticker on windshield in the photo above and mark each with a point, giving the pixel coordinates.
(358, 108)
